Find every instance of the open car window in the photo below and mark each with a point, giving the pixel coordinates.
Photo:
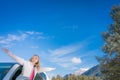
(17, 73)
(4, 68)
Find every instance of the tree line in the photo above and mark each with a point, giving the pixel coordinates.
(74, 77)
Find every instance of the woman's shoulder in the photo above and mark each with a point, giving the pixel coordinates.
(28, 63)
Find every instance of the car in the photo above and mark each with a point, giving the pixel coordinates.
(10, 71)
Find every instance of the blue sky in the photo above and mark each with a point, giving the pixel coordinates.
(66, 34)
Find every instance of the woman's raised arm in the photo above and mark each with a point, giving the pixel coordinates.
(16, 58)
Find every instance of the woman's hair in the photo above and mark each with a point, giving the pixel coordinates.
(37, 65)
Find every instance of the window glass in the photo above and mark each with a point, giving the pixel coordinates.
(40, 76)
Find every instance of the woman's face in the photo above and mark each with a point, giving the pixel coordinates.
(35, 59)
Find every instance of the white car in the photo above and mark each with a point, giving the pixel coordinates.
(10, 71)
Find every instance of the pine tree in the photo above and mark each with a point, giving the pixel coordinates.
(74, 77)
(110, 63)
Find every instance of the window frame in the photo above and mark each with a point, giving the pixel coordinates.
(16, 73)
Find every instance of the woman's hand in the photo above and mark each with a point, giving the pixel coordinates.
(16, 58)
(5, 50)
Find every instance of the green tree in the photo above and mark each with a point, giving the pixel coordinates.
(110, 63)
(53, 78)
(74, 77)
(59, 77)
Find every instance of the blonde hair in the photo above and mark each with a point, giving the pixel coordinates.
(37, 65)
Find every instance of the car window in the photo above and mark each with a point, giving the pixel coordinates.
(41, 76)
(17, 73)
(4, 68)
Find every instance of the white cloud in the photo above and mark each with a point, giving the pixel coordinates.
(12, 37)
(39, 35)
(30, 32)
(63, 56)
(66, 49)
(67, 56)
(3, 42)
(76, 60)
(19, 36)
(33, 32)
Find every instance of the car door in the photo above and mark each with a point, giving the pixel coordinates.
(12, 72)
(17, 73)
(4, 69)
(39, 76)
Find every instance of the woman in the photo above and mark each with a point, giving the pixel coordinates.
(30, 68)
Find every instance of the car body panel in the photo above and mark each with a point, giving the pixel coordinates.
(11, 72)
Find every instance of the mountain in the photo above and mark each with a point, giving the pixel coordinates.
(80, 71)
(94, 71)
